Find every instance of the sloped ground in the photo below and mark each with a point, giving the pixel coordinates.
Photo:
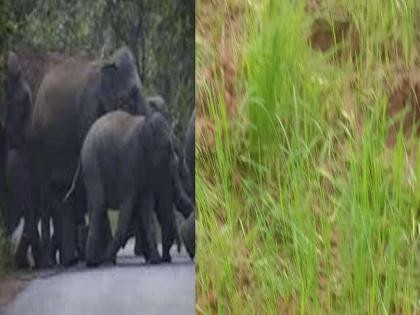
(308, 143)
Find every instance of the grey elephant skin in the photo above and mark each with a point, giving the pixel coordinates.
(71, 97)
(189, 151)
(17, 174)
(188, 227)
(128, 163)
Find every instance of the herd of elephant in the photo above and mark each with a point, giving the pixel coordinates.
(92, 141)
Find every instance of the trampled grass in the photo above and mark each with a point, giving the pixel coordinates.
(308, 191)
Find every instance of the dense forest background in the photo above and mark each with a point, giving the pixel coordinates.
(159, 33)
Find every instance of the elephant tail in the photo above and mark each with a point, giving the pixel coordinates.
(74, 181)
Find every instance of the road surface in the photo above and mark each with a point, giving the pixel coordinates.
(128, 288)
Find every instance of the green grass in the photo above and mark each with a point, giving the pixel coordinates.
(303, 206)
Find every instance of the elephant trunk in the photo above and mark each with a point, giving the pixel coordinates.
(182, 201)
(141, 105)
(188, 235)
(187, 178)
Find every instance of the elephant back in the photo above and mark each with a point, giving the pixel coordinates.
(65, 100)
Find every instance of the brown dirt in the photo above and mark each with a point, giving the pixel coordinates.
(204, 134)
(222, 66)
(10, 286)
(324, 33)
(331, 28)
(405, 95)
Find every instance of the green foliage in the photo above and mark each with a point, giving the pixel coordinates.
(160, 34)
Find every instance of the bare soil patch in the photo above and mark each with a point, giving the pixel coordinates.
(222, 35)
(10, 286)
(404, 96)
(332, 28)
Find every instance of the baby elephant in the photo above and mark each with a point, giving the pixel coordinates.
(129, 163)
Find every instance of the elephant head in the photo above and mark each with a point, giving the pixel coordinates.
(120, 86)
(14, 68)
(157, 136)
(18, 103)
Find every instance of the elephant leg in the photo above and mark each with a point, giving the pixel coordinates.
(124, 218)
(81, 239)
(132, 230)
(95, 250)
(188, 234)
(182, 202)
(46, 207)
(45, 237)
(146, 229)
(32, 232)
(80, 205)
(139, 244)
(11, 220)
(55, 240)
(30, 238)
(82, 231)
(140, 247)
(68, 252)
(166, 219)
(30, 228)
(105, 234)
(21, 252)
(21, 256)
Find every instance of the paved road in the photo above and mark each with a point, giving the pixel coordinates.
(128, 288)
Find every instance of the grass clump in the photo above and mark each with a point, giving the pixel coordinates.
(304, 205)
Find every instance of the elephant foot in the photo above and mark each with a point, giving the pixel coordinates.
(92, 264)
(52, 259)
(111, 260)
(188, 235)
(141, 252)
(21, 255)
(81, 242)
(44, 260)
(138, 250)
(37, 256)
(154, 261)
(166, 258)
(69, 262)
(178, 243)
(22, 262)
(95, 261)
(44, 264)
(81, 254)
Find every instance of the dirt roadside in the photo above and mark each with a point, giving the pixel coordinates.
(10, 286)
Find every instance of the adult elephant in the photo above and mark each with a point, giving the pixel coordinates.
(71, 97)
(128, 162)
(17, 174)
